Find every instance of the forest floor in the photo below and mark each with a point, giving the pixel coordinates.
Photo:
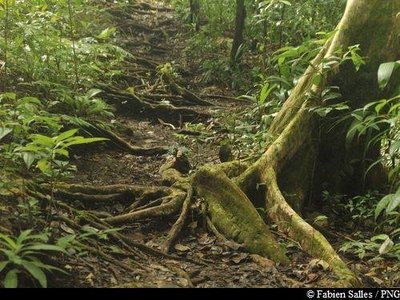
(224, 265)
(200, 259)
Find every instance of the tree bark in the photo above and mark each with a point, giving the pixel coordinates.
(374, 25)
(239, 31)
(194, 13)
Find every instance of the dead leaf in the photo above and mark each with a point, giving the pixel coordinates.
(205, 239)
(159, 267)
(262, 261)
(239, 258)
(68, 267)
(193, 225)
(217, 250)
(378, 281)
(318, 264)
(67, 229)
(386, 246)
(312, 278)
(138, 236)
(183, 282)
(113, 281)
(90, 278)
(182, 248)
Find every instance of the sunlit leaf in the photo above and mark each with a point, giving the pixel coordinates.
(11, 279)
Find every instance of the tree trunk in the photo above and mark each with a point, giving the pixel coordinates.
(239, 30)
(374, 25)
(194, 13)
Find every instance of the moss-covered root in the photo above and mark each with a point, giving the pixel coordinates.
(171, 205)
(234, 215)
(310, 239)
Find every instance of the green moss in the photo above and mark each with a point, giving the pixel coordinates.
(234, 215)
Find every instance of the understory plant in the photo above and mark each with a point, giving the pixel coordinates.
(25, 255)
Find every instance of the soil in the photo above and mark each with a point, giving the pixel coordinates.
(204, 260)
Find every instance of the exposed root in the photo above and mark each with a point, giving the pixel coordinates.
(130, 103)
(147, 6)
(136, 191)
(172, 206)
(124, 145)
(227, 98)
(185, 93)
(221, 237)
(89, 199)
(310, 239)
(177, 227)
(234, 215)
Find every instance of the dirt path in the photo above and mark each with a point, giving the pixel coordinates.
(157, 37)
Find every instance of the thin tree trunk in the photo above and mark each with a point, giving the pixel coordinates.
(194, 13)
(239, 31)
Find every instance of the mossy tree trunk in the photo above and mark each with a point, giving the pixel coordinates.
(298, 146)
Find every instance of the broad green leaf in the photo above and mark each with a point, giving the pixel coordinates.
(11, 280)
(65, 241)
(381, 105)
(92, 93)
(383, 204)
(44, 165)
(28, 158)
(393, 204)
(84, 141)
(106, 33)
(42, 140)
(62, 152)
(4, 132)
(36, 273)
(385, 72)
(380, 237)
(67, 134)
(3, 264)
(10, 241)
(44, 247)
(22, 237)
(9, 96)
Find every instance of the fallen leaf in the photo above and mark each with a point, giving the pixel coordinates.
(193, 225)
(68, 267)
(159, 267)
(299, 274)
(241, 257)
(216, 250)
(183, 282)
(378, 281)
(205, 239)
(312, 277)
(182, 248)
(90, 278)
(262, 261)
(113, 280)
(67, 229)
(318, 264)
(138, 236)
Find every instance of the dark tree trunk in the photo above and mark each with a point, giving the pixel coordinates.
(239, 31)
(194, 13)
